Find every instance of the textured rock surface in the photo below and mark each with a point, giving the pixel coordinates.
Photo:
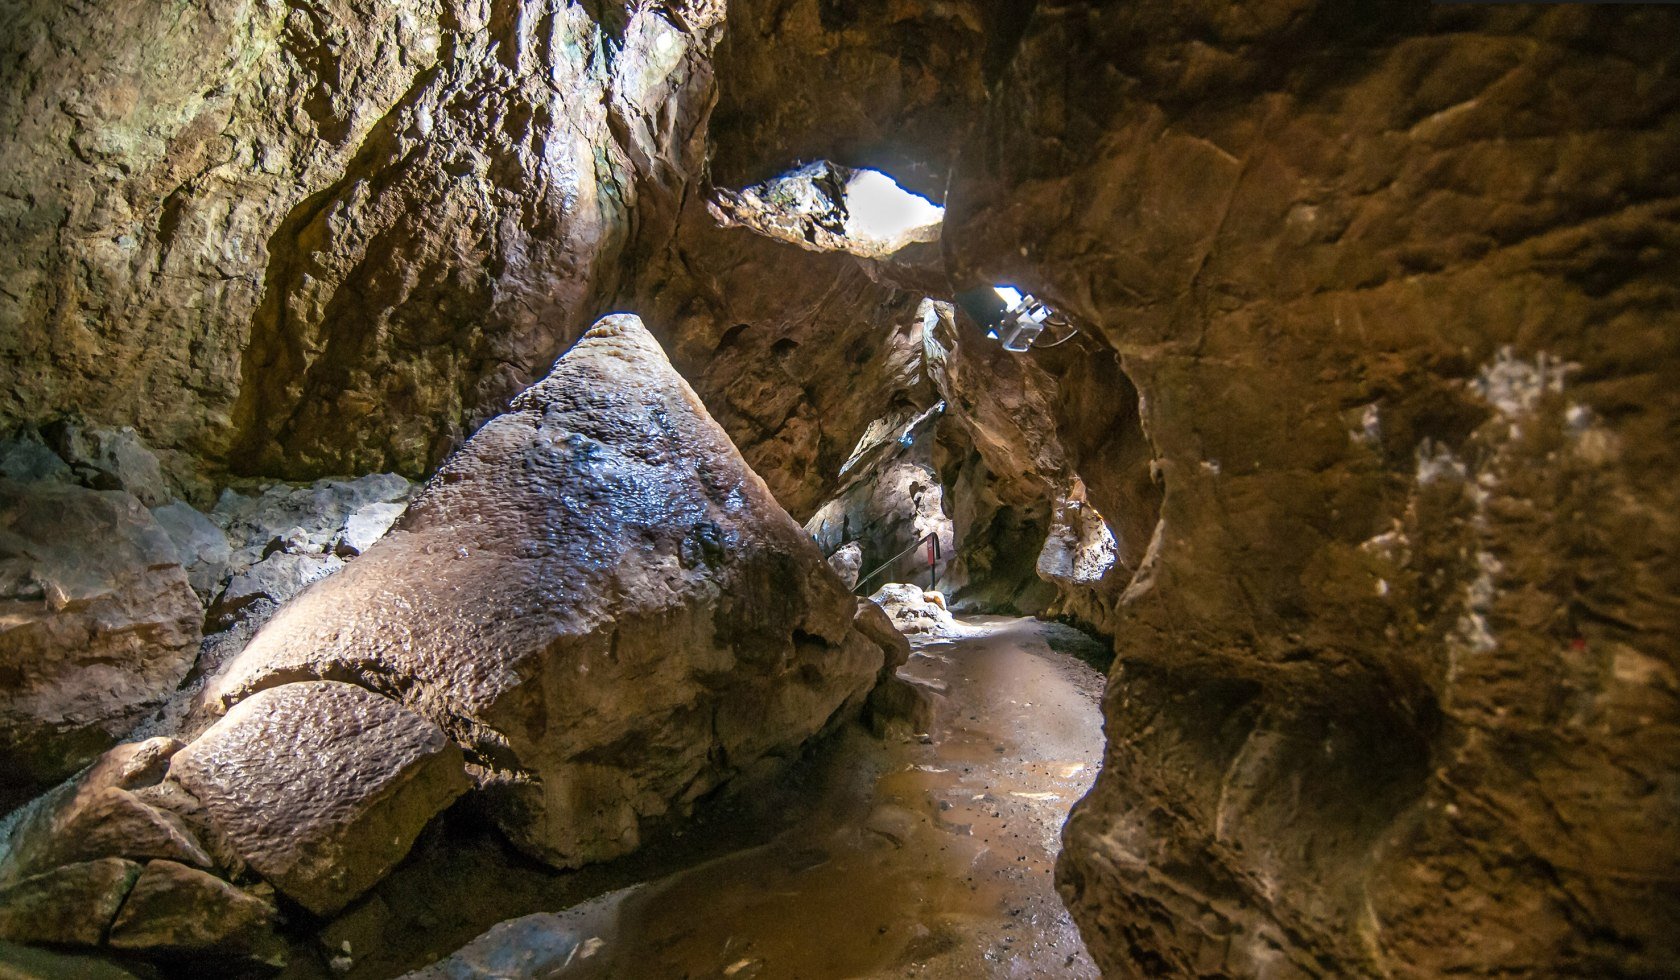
(320, 786)
(91, 824)
(100, 624)
(1398, 312)
(598, 599)
(1375, 392)
(912, 610)
(203, 547)
(176, 909)
(72, 905)
(252, 223)
(847, 562)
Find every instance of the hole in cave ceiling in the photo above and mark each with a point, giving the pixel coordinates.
(826, 207)
(1013, 318)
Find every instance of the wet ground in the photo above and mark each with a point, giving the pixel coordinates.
(927, 857)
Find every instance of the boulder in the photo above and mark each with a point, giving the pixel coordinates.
(320, 509)
(176, 909)
(71, 905)
(111, 459)
(269, 583)
(99, 625)
(202, 546)
(320, 786)
(847, 563)
(26, 459)
(366, 526)
(599, 599)
(913, 610)
(111, 822)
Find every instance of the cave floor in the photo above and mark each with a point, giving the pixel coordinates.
(927, 857)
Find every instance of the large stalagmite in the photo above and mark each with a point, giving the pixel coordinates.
(598, 599)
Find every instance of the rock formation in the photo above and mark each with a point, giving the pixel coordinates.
(1396, 685)
(100, 625)
(598, 600)
(1372, 391)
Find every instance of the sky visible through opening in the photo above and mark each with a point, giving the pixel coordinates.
(878, 210)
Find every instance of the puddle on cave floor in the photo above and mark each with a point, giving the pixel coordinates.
(905, 859)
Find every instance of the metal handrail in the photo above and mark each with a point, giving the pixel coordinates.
(935, 555)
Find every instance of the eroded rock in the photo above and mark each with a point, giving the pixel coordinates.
(71, 905)
(913, 609)
(598, 599)
(176, 909)
(321, 786)
(847, 562)
(101, 624)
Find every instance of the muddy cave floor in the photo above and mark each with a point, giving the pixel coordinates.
(877, 858)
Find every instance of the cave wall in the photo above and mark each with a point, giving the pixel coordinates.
(295, 238)
(1377, 384)
(1396, 690)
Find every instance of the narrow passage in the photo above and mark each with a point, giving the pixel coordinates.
(924, 858)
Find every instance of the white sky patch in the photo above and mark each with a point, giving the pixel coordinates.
(878, 210)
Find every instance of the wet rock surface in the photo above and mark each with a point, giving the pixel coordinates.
(606, 530)
(927, 859)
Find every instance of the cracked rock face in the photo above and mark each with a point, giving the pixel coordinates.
(597, 599)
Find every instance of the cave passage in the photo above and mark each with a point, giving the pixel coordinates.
(930, 856)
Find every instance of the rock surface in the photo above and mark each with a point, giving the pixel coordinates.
(320, 786)
(1397, 315)
(598, 599)
(913, 610)
(176, 909)
(100, 625)
(70, 905)
(847, 562)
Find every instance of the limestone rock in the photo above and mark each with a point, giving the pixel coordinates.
(321, 786)
(100, 625)
(1408, 386)
(914, 610)
(598, 599)
(365, 526)
(71, 905)
(319, 510)
(26, 459)
(176, 909)
(847, 563)
(111, 822)
(269, 582)
(19, 962)
(203, 547)
(111, 459)
(1080, 548)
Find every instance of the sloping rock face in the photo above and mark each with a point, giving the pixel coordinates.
(598, 600)
(1397, 690)
(248, 224)
(326, 818)
(92, 636)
